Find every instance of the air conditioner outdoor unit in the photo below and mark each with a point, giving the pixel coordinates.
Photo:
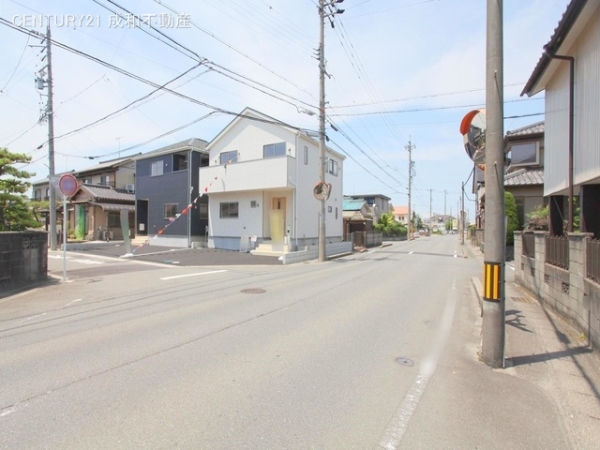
(130, 187)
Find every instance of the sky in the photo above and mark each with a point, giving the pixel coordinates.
(400, 73)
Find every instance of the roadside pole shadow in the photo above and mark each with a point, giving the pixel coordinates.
(517, 320)
(543, 357)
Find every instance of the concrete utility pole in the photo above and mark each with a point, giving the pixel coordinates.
(493, 305)
(50, 114)
(430, 213)
(410, 148)
(323, 13)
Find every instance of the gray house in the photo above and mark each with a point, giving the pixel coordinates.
(169, 211)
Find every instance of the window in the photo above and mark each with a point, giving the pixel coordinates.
(228, 210)
(171, 210)
(114, 219)
(524, 154)
(271, 150)
(105, 180)
(305, 154)
(203, 211)
(228, 157)
(180, 161)
(87, 181)
(156, 169)
(332, 167)
(253, 204)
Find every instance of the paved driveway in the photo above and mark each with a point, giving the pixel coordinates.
(178, 256)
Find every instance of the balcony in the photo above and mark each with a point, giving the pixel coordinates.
(260, 174)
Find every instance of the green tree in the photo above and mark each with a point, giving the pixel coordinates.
(15, 212)
(417, 221)
(510, 211)
(389, 227)
(538, 218)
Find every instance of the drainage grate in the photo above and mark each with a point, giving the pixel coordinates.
(405, 361)
(253, 291)
(522, 299)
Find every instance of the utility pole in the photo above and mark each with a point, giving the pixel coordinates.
(49, 114)
(430, 214)
(410, 148)
(493, 333)
(323, 4)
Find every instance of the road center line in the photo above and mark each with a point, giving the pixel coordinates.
(192, 274)
(397, 427)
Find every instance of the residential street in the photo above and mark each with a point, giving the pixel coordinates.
(373, 350)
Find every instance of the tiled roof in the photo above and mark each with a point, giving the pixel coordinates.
(104, 165)
(349, 204)
(108, 193)
(524, 177)
(193, 143)
(535, 128)
(400, 210)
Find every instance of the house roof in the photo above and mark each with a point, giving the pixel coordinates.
(195, 144)
(107, 193)
(252, 114)
(569, 27)
(350, 204)
(400, 210)
(528, 130)
(104, 165)
(368, 195)
(524, 177)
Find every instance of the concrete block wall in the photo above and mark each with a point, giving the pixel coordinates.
(568, 292)
(23, 259)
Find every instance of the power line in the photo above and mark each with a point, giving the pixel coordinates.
(102, 119)
(438, 108)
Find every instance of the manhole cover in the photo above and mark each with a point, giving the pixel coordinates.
(405, 361)
(253, 291)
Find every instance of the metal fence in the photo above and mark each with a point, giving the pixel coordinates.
(557, 251)
(528, 245)
(592, 269)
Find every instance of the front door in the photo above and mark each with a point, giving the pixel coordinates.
(278, 219)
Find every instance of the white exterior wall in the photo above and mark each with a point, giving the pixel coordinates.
(556, 156)
(587, 116)
(249, 220)
(586, 160)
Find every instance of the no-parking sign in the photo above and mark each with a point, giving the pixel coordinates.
(68, 185)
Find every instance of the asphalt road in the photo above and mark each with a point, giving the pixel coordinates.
(374, 350)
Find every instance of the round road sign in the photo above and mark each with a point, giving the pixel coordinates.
(68, 185)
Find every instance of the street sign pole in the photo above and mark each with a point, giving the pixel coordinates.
(68, 186)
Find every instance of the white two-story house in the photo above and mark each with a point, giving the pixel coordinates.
(260, 182)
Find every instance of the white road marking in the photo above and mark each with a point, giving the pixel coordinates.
(33, 317)
(74, 301)
(410, 253)
(7, 412)
(192, 274)
(76, 260)
(397, 427)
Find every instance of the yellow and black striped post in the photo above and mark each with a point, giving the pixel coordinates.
(492, 275)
